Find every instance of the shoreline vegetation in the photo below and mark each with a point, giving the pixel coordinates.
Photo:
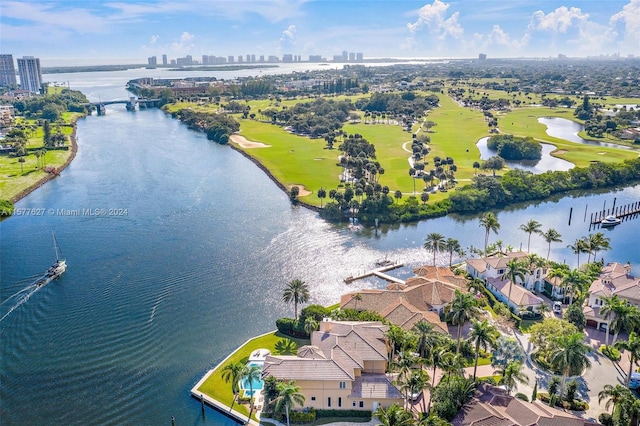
(40, 144)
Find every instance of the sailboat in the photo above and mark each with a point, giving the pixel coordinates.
(56, 269)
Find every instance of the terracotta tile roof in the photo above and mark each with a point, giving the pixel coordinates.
(615, 278)
(491, 406)
(519, 295)
(334, 354)
(496, 261)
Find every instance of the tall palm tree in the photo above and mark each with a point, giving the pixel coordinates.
(626, 317)
(489, 222)
(435, 243)
(251, 374)
(428, 338)
(514, 270)
(232, 372)
(580, 246)
(452, 245)
(531, 227)
(310, 325)
(609, 306)
(614, 395)
(464, 306)
(551, 236)
(288, 397)
(483, 335)
(296, 291)
(512, 374)
(631, 345)
(570, 356)
(597, 242)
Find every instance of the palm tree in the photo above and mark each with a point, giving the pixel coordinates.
(232, 372)
(296, 291)
(483, 335)
(609, 306)
(463, 307)
(310, 325)
(580, 246)
(251, 374)
(512, 374)
(452, 245)
(489, 222)
(288, 397)
(551, 236)
(428, 338)
(595, 243)
(435, 242)
(570, 356)
(531, 227)
(626, 317)
(631, 345)
(514, 270)
(394, 416)
(614, 395)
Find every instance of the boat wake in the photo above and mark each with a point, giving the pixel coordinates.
(14, 301)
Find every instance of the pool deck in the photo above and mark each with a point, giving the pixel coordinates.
(223, 408)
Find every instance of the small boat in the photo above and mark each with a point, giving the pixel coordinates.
(383, 262)
(55, 270)
(610, 221)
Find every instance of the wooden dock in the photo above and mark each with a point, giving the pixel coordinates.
(621, 212)
(378, 272)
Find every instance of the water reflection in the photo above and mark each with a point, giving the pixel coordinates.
(546, 163)
(568, 130)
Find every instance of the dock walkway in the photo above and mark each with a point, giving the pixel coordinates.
(378, 272)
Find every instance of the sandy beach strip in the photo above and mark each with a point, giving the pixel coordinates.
(244, 143)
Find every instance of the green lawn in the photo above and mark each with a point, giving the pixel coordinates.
(217, 388)
(13, 177)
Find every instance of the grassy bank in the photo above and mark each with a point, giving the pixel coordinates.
(19, 179)
(217, 388)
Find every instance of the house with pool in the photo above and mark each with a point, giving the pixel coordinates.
(342, 369)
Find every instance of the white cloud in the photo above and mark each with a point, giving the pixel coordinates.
(154, 39)
(630, 16)
(433, 16)
(560, 20)
(289, 34)
(185, 44)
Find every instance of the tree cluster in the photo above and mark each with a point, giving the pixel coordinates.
(51, 106)
(516, 148)
(218, 127)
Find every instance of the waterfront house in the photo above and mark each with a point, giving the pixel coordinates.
(491, 405)
(421, 298)
(615, 279)
(344, 367)
(490, 269)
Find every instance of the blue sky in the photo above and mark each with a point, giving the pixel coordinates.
(118, 31)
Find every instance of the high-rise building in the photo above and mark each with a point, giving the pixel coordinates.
(482, 57)
(7, 71)
(152, 60)
(287, 57)
(345, 56)
(231, 59)
(164, 59)
(352, 56)
(315, 58)
(30, 74)
(359, 56)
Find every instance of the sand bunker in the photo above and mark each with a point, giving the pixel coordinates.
(244, 143)
(302, 191)
(560, 152)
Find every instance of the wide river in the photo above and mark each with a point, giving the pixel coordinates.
(193, 265)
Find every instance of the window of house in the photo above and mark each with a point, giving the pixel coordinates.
(501, 271)
(313, 398)
(329, 402)
(339, 401)
(353, 404)
(361, 404)
(343, 385)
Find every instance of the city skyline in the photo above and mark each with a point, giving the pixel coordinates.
(131, 32)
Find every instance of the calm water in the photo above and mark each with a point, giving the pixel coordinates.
(155, 297)
(563, 128)
(547, 161)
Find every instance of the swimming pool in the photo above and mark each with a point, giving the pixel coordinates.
(256, 385)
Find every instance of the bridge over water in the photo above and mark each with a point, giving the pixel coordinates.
(131, 104)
